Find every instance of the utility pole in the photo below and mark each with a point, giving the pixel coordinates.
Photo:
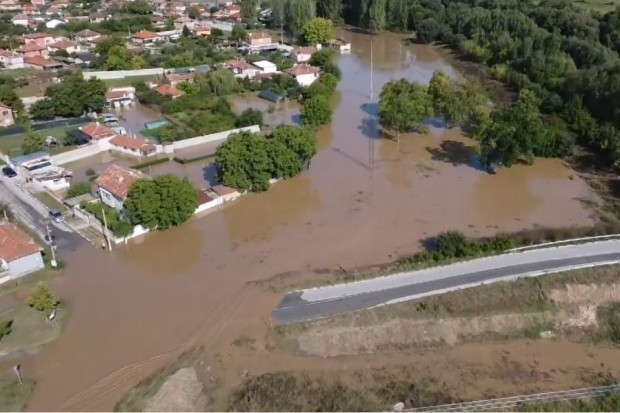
(371, 68)
(106, 233)
(51, 241)
(371, 140)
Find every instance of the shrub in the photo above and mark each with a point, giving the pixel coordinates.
(150, 163)
(316, 111)
(183, 161)
(78, 188)
(609, 322)
(90, 172)
(42, 299)
(116, 224)
(6, 326)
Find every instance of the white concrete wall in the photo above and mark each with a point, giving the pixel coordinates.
(214, 137)
(212, 204)
(120, 74)
(137, 231)
(76, 154)
(26, 265)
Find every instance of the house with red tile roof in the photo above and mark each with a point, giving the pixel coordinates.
(41, 63)
(259, 39)
(11, 59)
(64, 44)
(169, 91)
(95, 132)
(304, 74)
(241, 68)
(19, 253)
(114, 184)
(32, 49)
(132, 146)
(145, 37)
(87, 36)
(303, 54)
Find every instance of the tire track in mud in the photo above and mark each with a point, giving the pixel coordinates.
(119, 378)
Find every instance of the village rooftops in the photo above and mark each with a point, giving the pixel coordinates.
(31, 47)
(305, 50)
(87, 33)
(15, 243)
(116, 94)
(132, 143)
(118, 180)
(42, 62)
(63, 44)
(34, 36)
(168, 90)
(259, 36)
(304, 69)
(145, 35)
(97, 131)
(238, 64)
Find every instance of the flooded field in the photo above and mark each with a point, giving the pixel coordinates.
(273, 113)
(364, 200)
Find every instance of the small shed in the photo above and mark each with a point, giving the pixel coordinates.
(270, 95)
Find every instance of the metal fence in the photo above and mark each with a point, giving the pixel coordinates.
(42, 126)
(516, 402)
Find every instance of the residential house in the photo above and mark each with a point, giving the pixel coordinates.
(32, 50)
(98, 17)
(30, 10)
(95, 132)
(226, 193)
(145, 37)
(25, 164)
(54, 23)
(54, 10)
(132, 146)
(20, 20)
(10, 5)
(304, 74)
(53, 178)
(6, 116)
(259, 39)
(303, 54)
(169, 91)
(19, 253)
(85, 59)
(176, 78)
(87, 36)
(120, 98)
(41, 39)
(202, 30)
(11, 59)
(41, 63)
(266, 67)
(339, 44)
(113, 185)
(241, 68)
(66, 45)
(232, 12)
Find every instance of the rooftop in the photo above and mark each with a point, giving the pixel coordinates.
(19, 160)
(265, 64)
(301, 70)
(132, 143)
(145, 35)
(118, 180)
(86, 33)
(41, 61)
(31, 47)
(116, 94)
(204, 197)
(97, 131)
(15, 243)
(168, 90)
(222, 190)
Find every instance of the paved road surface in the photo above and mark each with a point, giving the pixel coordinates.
(33, 214)
(312, 304)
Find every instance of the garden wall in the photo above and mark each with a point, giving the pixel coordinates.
(120, 74)
(214, 137)
(76, 154)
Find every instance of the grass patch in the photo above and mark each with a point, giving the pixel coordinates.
(128, 81)
(14, 395)
(30, 328)
(12, 144)
(49, 201)
(10, 287)
(136, 399)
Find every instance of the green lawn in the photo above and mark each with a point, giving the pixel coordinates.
(11, 145)
(30, 329)
(128, 81)
(14, 395)
(49, 201)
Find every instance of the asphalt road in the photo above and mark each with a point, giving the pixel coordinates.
(312, 304)
(34, 215)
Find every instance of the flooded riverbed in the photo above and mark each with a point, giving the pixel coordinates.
(363, 201)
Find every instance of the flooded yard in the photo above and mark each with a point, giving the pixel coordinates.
(365, 200)
(273, 113)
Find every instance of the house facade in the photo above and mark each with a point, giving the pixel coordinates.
(120, 98)
(6, 116)
(132, 146)
(145, 37)
(304, 74)
(259, 39)
(11, 59)
(19, 253)
(340, 45)
(303, 54)
(114, 184)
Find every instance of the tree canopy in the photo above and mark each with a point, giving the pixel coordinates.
(318, 31)
(248, 161)
(163, 202)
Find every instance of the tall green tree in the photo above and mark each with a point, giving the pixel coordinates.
(404, 106)
(33, 142)
(318, 31)
(10, 98)
(118, 58)
(447, 102)
(163, 202)
(42, 299)
(316, 111)
(249, 11)
(298, 14)
(377, 15)
(330, 9)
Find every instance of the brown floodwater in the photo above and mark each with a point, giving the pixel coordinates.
(363, 201)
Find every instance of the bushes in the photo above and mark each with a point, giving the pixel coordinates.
(183, 161)
(116, 224)
(78, 188)
(150, 163)
(42, 299)
(6, 326)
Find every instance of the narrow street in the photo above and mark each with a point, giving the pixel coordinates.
(34, 215)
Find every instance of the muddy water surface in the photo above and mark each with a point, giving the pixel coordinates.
(364, 201)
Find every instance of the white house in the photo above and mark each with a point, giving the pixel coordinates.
(303, 54)
(114, 184)
(11, 59)
(339, 44)
(120, 97)
(54, 23)
(21, 20)
(132, 146)
(304, 74)
(19, 254)
(53, 178)
(266, 66)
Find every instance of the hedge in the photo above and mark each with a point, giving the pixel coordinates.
(150, 163)
(183, 161)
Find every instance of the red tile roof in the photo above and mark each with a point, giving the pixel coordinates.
(258, 36)
(118, 180)
(168, 90)
(97, 131)
(300, 70)
(15, 243)
(34, 36)
(87, 33)
(116, 94)
(145, 35)
(132, 143)
(31, 47)
(238, 64)
(305, 50)
(39, 61)
(204, 197)
(63, 44)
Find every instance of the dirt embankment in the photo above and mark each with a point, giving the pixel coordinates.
(556, 305)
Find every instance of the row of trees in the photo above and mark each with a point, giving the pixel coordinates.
(71, 98)
(248, 161)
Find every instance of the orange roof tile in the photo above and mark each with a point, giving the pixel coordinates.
(168, 90)
(15, 243)
(145, 35)
(97, 131)
(300, 70)
(132, 143)
(118, 180)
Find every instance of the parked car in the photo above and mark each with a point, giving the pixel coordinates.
(57, 216)
(9, 172)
